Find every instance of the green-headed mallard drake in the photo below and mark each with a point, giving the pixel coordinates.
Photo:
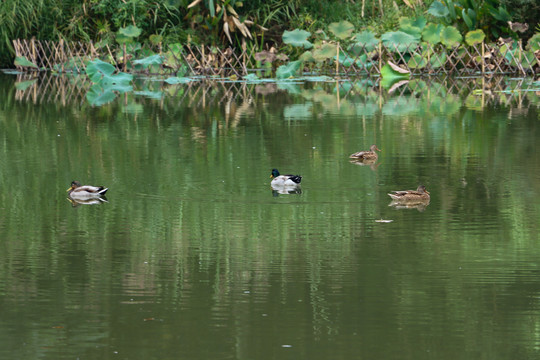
(366, 155)
(284, 180)
(411, 196)
(85, 191)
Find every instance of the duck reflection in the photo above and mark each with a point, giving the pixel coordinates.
(420, 206)
(372, 163)
(88, 201)
(285, 190)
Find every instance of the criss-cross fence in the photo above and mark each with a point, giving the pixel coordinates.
(61, 56)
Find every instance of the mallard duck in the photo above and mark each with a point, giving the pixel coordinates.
(366, 155)
(284, 180)
(85, 191)
(411, 196)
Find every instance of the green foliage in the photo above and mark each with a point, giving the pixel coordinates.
(342, 29)
(399, 40)
(534, 43)
(289, 70)
(24, 62)
(364, 41)
(450, 36)
(475, 37)
(432, 33)
(297, 38)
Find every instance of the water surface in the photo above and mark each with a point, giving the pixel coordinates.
(194, 256)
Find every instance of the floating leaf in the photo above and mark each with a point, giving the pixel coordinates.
(438, 9)
(250, 77)
(289, 70)
(399, 40)
(178, 80)
(130, 31)
(364, 42)
(24, 62)
(97, 69)
(297, 38)
(325, 52)
(342, 29)
(432, 33)
(475, 37)
(450, 36)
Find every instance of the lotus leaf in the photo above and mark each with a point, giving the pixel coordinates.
(297, 38)
(130, 31)
(450, 37)
(150, 60)
(412, 27)
(97, 69)
(475, 37)
(342, 29)
(399, 40)
(345, 59)
(289, 70)
(250, 77)
(364, 42)
(24, 62)
(325, 52)
(432, 33)
(438, 9)
(307, 56)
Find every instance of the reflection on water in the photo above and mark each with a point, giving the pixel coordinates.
(192, 257)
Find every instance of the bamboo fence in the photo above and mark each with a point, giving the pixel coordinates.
(462, 60)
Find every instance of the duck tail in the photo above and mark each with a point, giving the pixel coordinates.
(296, 178)
(102, 190)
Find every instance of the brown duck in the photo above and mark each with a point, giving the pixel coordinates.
(411, 196)
(366, 155)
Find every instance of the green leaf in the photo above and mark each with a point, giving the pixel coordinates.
(345, 59)
(438, 9)
(467, 19)
(179, 80)
(412, 27)
(297, 38)
(475, 37)
(342, 29)
(437, 60)
(432, 33)
(391, 76)
(150, 60)
(364, 42)
(450, 37)
(417, 62)
(23, 85)
(131, 31)
(24, 62)
(307, 56)
(399, 40)
(534, 43)
(155, 39)
(97, 69)
(289, 70)
(250, 77)
(325, 52)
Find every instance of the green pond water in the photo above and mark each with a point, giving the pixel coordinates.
(195, 256)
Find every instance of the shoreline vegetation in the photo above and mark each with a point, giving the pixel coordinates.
(277, 39)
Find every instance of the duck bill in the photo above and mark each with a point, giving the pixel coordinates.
(271, 176)
(70, 188)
